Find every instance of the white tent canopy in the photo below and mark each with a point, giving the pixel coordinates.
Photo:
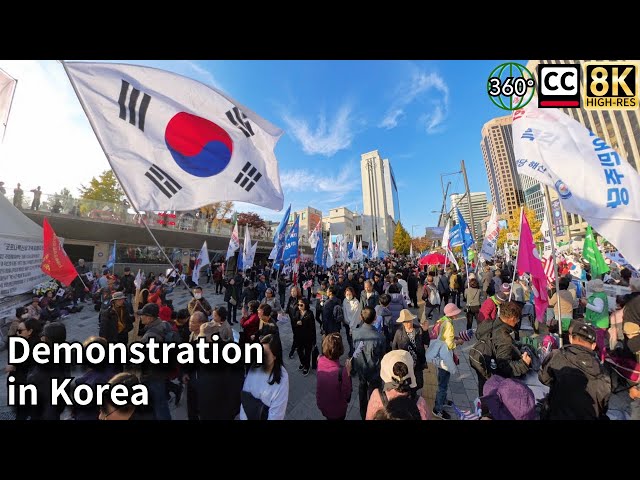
(20, 257)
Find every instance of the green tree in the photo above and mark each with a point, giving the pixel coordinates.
(401, 240)
(513, 227)
(105, 189)
(102, 193)
(65, 200)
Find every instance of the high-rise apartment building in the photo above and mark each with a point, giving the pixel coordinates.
(380, 200)
(478, 207)
(499, 162)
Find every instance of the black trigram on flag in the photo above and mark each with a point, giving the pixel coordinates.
(129, 103)
(248, 177)
(236, 117)
(163, 181)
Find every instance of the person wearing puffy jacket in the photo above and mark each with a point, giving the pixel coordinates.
(398, 303)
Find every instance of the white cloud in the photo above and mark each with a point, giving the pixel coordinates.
(420, 83)
(48, 141)
(327, 138)
(346, 181)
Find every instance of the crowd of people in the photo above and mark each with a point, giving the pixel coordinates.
(371, 309)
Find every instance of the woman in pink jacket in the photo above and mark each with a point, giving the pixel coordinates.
(333, 392)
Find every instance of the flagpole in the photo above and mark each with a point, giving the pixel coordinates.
(555, 263)
(515, 269)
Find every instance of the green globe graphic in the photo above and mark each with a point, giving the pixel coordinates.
(510, 86)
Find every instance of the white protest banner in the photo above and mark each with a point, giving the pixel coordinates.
(20, 262)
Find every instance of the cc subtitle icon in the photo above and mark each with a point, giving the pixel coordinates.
(558, 86)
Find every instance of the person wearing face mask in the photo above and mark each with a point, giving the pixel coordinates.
(351, 308)
(198, 303)
(28, 328)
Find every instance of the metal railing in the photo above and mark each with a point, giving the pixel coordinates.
(122, 214)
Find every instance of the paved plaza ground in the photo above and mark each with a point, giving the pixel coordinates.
(302, 390)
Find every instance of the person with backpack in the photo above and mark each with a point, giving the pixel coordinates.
(384, 317)
(472, 296)
(495, 352)
(366, 362)
(579, 388)
(445, 331)
(443, 287)
(431, 298)
(333, 390)
(398, 380)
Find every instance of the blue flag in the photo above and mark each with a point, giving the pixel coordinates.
(112, 257)
(465, 234)
(319, 255)
(291, 246)
(282, 228)
(240, 262)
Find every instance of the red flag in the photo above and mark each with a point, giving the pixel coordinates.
(55, 262)
(529, 262)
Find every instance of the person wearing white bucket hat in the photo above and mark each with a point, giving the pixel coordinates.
(398, 379)
(413, 338)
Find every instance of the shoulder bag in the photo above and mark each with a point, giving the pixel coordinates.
(253, 407)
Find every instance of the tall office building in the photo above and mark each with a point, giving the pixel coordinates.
(533, 195)
(380, 200)
(478, 207)
(499, 161)
(620, 129)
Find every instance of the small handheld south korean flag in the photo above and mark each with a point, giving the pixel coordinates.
(175, 143)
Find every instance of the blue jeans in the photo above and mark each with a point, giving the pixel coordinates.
(158, 398)
(443, 386)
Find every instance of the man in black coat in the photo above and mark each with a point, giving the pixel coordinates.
(126, 284)
(412, 285)
(510, 362)
(329, 323)
(579, 389)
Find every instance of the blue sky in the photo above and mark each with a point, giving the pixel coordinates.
(424, 116)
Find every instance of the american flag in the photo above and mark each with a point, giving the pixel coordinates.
(465, 414)
(547, 265)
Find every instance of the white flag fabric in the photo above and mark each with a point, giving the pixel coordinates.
(246, 248)
(452, 258)
(234, 242)
(175, 143)
(507, 253)
(330, 259)
(411, 251)
(7, 90)
(274, 252)
(445, 236)
(138, 280)
(247, 262)
(201, 261)
(491, 237)
(315, 235)
(591, 178)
